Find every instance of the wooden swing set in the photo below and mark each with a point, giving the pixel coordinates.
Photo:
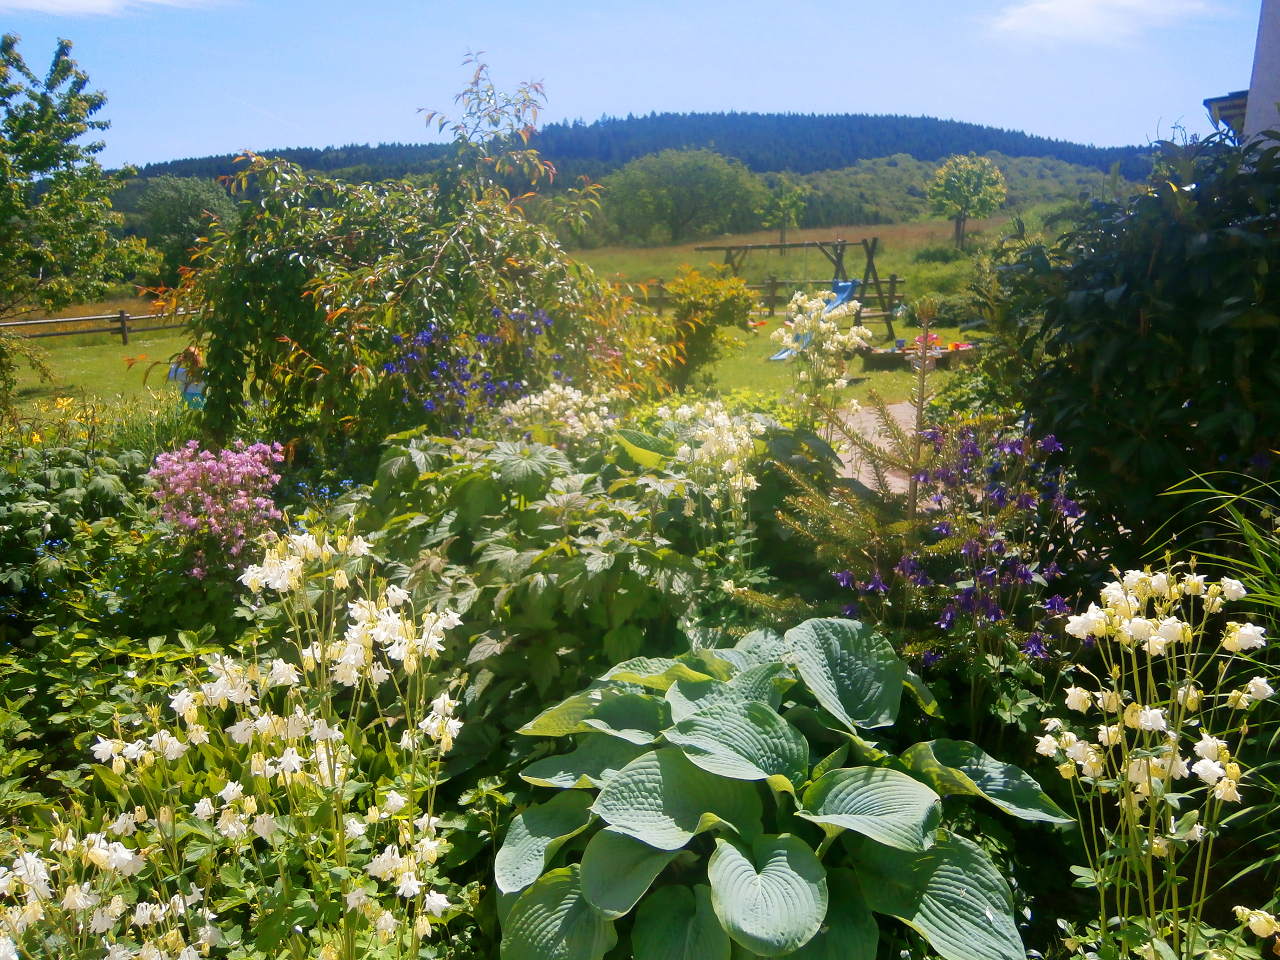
(888, 295)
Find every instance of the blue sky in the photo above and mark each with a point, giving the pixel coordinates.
(194, 77)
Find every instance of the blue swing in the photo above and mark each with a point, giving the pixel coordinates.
(844, 291)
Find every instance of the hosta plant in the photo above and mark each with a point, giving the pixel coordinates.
(727, 803)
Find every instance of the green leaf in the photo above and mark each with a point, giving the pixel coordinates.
(633, 717)
(882, 804)
(850, 931)
(594, 763)
(664, 800)
(649, 452)
(763, 683)
(676, 923)
(772, 906)
(623, 642)
(960, 767)
(743, 741)
(658, 673)
(851, 669)
(566, 716)
(756, 648)
(553, 921)
(617, 871)
(951, 894)
(536, 835)
(923, 695)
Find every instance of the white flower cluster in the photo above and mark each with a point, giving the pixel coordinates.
(1140, 613)
(1259, 922)
(817, 339)
(567, 411)
(716, 450)
(175, 928)
(282, 568)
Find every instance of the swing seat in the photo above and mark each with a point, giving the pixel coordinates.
(844, 291)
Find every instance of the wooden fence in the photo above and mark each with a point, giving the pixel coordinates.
(122, 324)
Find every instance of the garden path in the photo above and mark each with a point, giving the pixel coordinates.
(867, 425)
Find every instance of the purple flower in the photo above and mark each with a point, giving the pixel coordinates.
(930, 658)
(988, 576)
(1026, 501)
(932, 435)
(1051, 572)
(875, 584)
(850, 609)
(921, 477)
(948, 618)
(1022, 573)
(844, 578)
(998, 548)
(998, 495)
(989, 609)
(942, 528)
(1036, 647)
(1056, 606)
(967, 600)
(1050, 444)
(1068, 508)
(971, 549)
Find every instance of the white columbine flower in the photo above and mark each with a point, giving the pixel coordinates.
(1232, 589)
(1209, 748)
(1078, 699)
(1239, 637)
(1210, 771)
(232, 792)
(1152, 718)
(1259, 689)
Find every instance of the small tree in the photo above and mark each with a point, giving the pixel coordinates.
(686, 191)
(786, 205)
(965, 187)
(178, 211)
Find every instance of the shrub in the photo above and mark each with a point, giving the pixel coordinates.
(1154, 315)
(704, 307)
(730, 765)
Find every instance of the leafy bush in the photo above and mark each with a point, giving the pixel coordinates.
(1155, 318)
(704, 306)
(682, 750)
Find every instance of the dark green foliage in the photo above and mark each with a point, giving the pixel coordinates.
(176, 212)
(1159, 323)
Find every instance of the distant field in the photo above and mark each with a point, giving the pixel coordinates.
(93, 364)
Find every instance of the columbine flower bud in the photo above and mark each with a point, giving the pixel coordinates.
(340, 581)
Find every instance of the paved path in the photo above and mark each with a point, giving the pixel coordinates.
(866, 423)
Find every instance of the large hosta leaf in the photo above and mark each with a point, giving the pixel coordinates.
(960, 767)
(595, 762)
(772, 902)
(951, 894)
(850, 932)
(566, 716)
(744, 741)
(552, 921)
(617, 871)
(663, 799)
(633, 717)
(851, 669)
(765, 683)
(536, 834)
(658, 673)
(676, 923)
(882, 804)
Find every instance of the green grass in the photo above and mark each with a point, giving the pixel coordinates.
(747, 367)
(93, 364)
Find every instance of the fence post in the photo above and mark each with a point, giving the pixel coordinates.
(124, 328)
(662, 295)
(773, 294)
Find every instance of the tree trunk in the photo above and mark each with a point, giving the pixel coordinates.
(960, 219)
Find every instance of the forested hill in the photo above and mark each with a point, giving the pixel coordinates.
(772, 142)
(806, 143)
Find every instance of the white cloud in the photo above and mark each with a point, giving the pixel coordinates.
(1103, 21)
(76, 8)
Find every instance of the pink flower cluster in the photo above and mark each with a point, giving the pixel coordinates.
(218, 502)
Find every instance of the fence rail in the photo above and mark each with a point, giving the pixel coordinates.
(121, 325)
